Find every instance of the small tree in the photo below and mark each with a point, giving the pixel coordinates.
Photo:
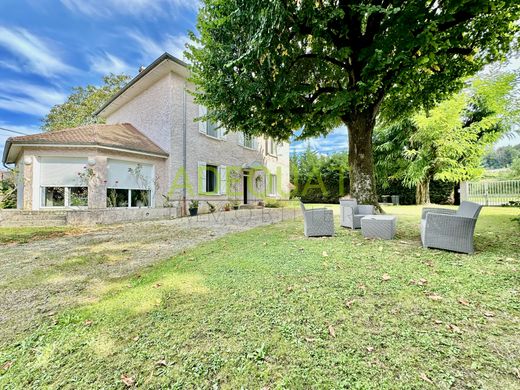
(8, 192)
(447, 142)
(275, 67)
(81, 105)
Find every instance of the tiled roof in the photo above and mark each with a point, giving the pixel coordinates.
(120, 136)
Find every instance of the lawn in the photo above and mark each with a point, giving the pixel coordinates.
(9, 235)
(269, 308)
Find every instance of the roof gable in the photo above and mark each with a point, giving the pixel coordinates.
(151, 74)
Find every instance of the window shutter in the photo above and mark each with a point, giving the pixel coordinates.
(62, 171)
(241, 138)
(201, 173)
(223, 179)
(203, 125)
(254, 143)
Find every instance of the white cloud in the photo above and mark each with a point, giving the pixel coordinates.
(151, 49)
(32, 53)
(108, 63)
(35, 100)
(146, 8)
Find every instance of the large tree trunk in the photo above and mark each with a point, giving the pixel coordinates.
(362, 182)
(422, 192)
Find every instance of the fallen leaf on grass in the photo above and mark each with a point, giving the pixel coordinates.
(463, 302)
(348, 304)
(386, 277)
(127, 380)
(370, 349)
(7, 365)
(136, 338)
(325, 254)
(309, 339)
(489, 314)
(88, 322)
(425, 378)
(289, 289)
(422, 282)
(435, 297)
(157, 285)
(454, 328)
(332, 332)
(161, 363)
(362, 286)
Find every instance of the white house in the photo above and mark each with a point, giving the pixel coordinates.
(151, 152)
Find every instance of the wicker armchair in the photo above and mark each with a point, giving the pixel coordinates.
(318, 222)
(351, 213)
(450, 229)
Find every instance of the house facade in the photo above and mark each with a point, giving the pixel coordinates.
(152, 152)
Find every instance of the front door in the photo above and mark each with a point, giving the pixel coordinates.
(246, 186)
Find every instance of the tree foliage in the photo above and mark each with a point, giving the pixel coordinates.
(273, 67)
(447, 142)
(82, 103)
(502, 157)
(8, 192)
(319, 178)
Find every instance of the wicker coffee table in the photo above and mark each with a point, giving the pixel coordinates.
(379, 226)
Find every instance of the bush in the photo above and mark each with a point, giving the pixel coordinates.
(7, 194)
(272, 203)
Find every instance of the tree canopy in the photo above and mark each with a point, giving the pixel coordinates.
(447, 143)
(274, 67)
(82, 103)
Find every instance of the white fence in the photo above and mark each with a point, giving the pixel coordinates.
(491, 193)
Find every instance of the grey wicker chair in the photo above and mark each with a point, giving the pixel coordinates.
(450, 229)
(318, 222)
(351, 213)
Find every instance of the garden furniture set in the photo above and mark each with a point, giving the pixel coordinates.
(440, 228)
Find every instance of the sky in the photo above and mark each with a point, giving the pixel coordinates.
(48, 47)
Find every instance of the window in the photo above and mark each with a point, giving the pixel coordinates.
(129, 184)
(63, 182)
(272, 147)
(123, 197)
(64, 196)
(247, 141)
(273, 185)
(211, 178)
(53, 197)
(211, 129)
(78, 196)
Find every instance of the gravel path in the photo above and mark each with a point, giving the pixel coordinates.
(43, 277)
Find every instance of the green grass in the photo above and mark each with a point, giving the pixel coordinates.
(269, 308)
(20, 235)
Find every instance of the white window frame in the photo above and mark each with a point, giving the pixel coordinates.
(204, 125)
(129, 198)
(273, 189)
(66, 196)
(271, 147)
(242, 141)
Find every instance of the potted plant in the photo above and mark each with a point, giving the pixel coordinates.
(212, 207)
(227, 207)
(194, 207)
(236, 204)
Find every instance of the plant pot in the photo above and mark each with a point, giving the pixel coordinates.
(236, 207)
(193, 212)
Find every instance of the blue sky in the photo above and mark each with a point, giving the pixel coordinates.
(49, 46)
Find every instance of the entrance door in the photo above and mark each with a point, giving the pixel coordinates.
(246, 186)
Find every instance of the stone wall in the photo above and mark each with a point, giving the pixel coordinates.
(17, 218)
